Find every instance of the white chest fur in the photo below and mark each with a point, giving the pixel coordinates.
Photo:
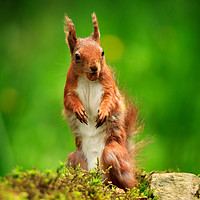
(90, 94)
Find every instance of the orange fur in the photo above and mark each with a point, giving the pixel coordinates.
(112, 114)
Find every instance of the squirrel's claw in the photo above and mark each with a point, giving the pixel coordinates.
(101, 118)
(99, 123)
(81, 116)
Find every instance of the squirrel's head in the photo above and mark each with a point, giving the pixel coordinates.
(87, 54)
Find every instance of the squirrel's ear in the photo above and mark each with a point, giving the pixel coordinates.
(70, 31)
(96, 33)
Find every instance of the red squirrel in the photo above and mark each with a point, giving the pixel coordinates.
(96, 111)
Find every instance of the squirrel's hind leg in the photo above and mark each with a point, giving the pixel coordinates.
(120, 173)
(75, 158)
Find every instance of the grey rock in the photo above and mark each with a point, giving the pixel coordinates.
(175, 186)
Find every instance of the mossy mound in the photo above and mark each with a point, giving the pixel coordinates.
(68, 183)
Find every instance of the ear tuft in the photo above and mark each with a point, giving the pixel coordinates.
(96, 33)
(70, 32)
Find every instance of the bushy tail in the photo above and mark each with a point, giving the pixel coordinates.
(132, 126)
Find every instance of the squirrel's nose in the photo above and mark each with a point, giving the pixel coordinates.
(94, 68)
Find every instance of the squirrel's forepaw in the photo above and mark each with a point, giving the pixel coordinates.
(81, 114)
(101, 118)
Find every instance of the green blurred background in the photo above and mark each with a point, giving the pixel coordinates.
(154, 47)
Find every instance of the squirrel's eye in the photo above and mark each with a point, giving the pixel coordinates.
(77, 57)
(102, 53)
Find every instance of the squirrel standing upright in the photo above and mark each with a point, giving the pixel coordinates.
(96, 110)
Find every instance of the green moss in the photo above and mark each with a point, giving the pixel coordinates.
(68, 183)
